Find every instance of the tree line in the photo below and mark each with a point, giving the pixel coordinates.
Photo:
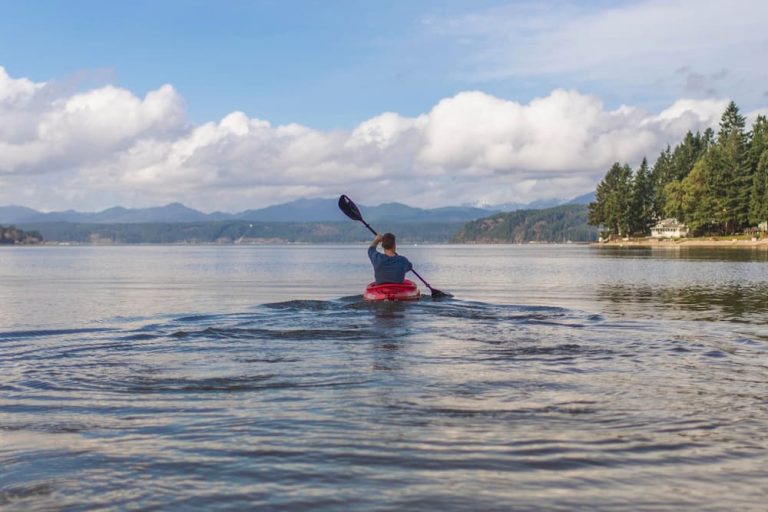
(14, 235)
(559, 224)
(716, 183)
(244, 232)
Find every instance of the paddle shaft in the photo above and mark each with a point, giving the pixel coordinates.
(412, 270)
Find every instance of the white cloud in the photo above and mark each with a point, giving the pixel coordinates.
(560, 134)
(107, 146)
(40, 133)
(385, 130)
(15, 90)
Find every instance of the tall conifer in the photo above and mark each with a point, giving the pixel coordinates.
(642, 212)
(757, 157)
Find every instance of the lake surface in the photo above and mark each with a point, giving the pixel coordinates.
(252, 377)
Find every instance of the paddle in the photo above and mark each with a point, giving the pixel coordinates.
(350, 210)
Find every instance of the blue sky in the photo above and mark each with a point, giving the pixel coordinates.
(465, 101)
(325, 64)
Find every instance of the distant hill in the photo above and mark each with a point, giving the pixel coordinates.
(587, 198)
(325, 210)
(533, 205)
(242, 232)
(300, 210)
(542, 204)
(398, 212)
(14, 214)
(559, 224)
(174, 212)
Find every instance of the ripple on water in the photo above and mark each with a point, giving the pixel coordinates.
(356, 405)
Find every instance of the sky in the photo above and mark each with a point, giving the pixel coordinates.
(232, 105)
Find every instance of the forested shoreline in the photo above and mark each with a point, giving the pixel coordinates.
(716, 183)
(10, 235)
(240, 232)
(561, 224)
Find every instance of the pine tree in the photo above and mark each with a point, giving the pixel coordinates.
(732, 123)
(759, 210)
(685, 155)
(708, 139)
(698, 203)
(732, 179)
(660, 176)
(673, 167)
(641, 211)
(758, 147)
(613, 200)
(675, 205)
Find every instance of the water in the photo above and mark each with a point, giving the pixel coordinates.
(558, 378)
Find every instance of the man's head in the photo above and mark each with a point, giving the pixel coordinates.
(388, 242)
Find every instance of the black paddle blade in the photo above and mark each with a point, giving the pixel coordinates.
(437, 294)
(349, 208)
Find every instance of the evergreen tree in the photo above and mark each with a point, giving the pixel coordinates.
(708, 139)
(732, 180)
(642, 204)
(613, 200)
(695, 201)
(675, 164)
(660, 176)
(675, 204)
(685, 156)
(759, 206)
(732, 123)
(758, 147)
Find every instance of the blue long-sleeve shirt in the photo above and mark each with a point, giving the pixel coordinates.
(388, 269)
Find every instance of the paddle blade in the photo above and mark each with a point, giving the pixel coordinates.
(349, 208)
(437, 294)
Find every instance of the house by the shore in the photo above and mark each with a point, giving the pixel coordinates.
(669, 228)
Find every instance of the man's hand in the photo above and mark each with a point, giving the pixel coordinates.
(376, 241)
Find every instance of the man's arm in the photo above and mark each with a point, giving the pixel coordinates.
(373, 254)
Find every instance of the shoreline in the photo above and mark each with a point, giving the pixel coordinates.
(653, 244)
(685, 243)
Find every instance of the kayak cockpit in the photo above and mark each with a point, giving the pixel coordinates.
(407, 290)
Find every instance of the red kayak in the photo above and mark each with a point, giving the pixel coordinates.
(407, 290)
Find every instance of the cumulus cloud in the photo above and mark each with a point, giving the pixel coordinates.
(61, 132)
(108, 146)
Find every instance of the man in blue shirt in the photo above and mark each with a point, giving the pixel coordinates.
(389, 267)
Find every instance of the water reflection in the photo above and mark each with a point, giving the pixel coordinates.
(730, 302)
(391, 325)
(735, 253)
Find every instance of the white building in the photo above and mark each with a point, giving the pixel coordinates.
(669, 228)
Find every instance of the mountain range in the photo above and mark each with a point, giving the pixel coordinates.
(300, 210)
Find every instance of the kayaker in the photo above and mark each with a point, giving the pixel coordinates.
(389, 267)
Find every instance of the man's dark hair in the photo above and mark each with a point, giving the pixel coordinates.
(388, 241)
